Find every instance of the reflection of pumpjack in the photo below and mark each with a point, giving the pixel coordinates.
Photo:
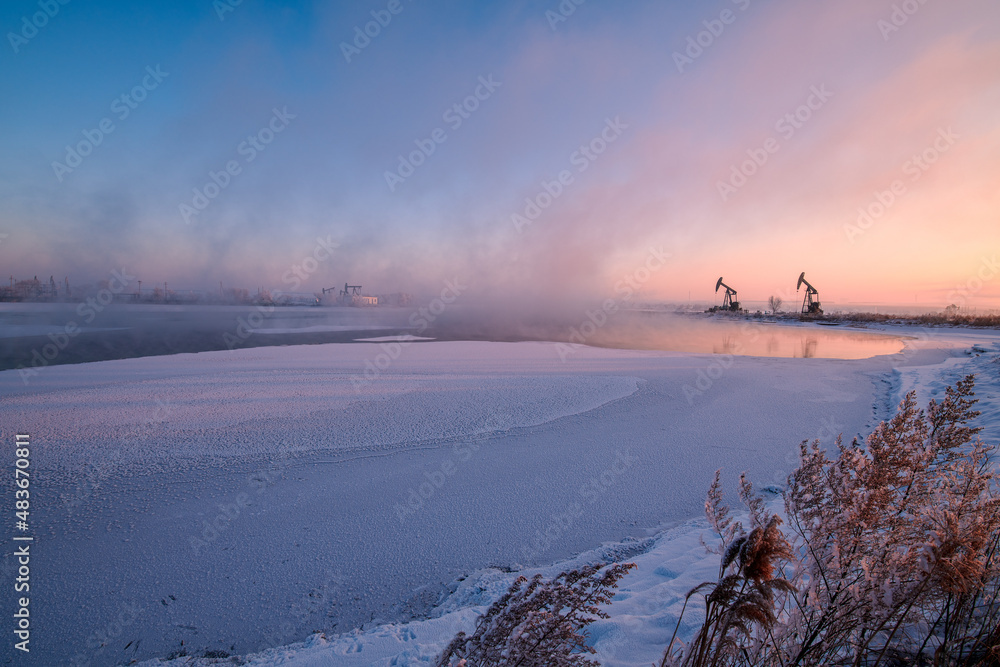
(809, 348)
(810, 304)
(729, 301)
(728, 346)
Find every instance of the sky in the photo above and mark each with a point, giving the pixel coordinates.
(299, 145)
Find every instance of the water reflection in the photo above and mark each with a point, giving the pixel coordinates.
(728, 346)
(676, 333)
(809, 346)
(772, 346)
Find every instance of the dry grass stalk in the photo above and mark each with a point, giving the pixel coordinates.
(539, 623)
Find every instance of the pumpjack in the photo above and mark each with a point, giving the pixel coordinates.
(729, 301)
(348, 291)
(810, 304)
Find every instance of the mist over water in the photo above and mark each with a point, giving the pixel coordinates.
(128, 331)
(669, 332)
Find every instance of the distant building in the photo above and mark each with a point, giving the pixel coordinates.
(29, 290)
(395, 299)
(349, 296)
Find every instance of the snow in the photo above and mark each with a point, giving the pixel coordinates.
(199, 413)
(392, 498)
(972, 352)
(644, 613)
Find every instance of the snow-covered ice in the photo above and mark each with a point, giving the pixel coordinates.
(236, 501)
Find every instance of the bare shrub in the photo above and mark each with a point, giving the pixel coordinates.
(986, 320)
(893, 554)
(538, 623)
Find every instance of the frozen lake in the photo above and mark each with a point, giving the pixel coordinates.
(230, 501)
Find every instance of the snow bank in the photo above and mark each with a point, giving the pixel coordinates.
(643, 615)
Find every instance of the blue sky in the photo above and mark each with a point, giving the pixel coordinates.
(657, 184)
